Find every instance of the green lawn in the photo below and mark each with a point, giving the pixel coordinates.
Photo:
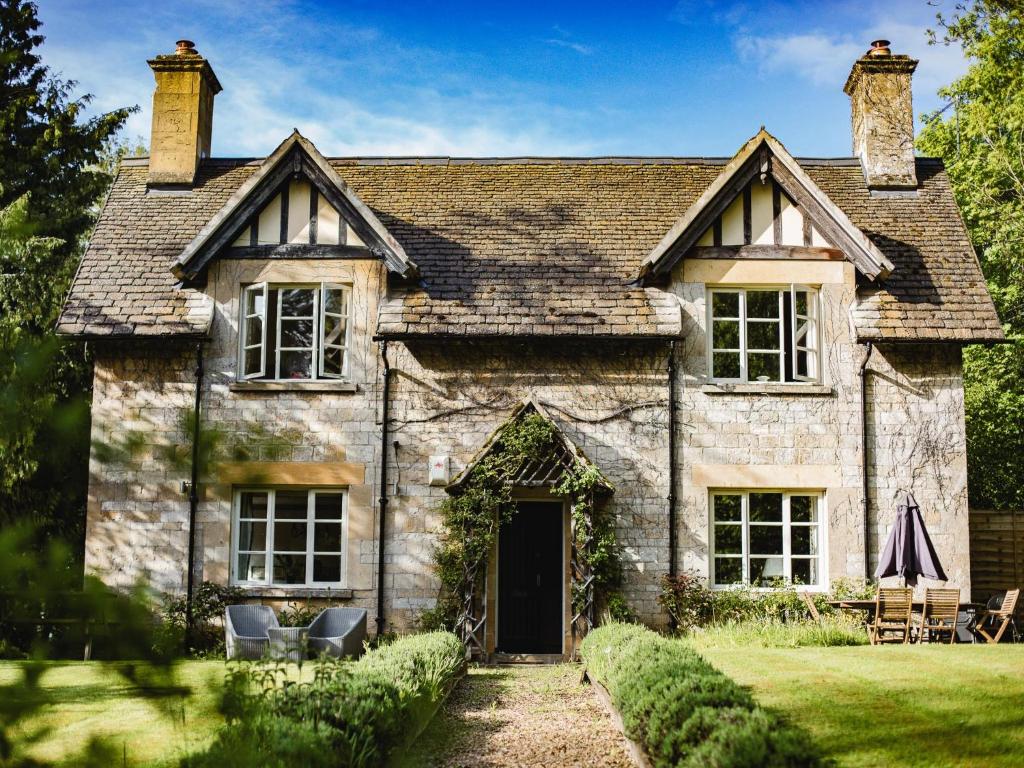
(92, 700)
(906, 706)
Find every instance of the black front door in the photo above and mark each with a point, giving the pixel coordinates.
(530, 580)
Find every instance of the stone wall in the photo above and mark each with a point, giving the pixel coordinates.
(610, 398)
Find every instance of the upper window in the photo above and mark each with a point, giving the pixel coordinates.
(766, 538)
(289, 537)
(764, 334)
(295, 332)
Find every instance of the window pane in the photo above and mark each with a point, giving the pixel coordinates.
(762, 336)
(726, 334)
(766, 507)
(296, 302)
(296, 365)
(805, 571)
(728, 570)
(252, 535)
(763, 364)
(766, 539)
(336, 302)
(801, 363)
(254, 504)
(327, 568)
(728, 508)
(728, 539)
(804, 540)
(290, 505)
(725, 304)
(289, 537)
(765, 571)
(801, 302)
(725, 365)
(328, 506)
(334, 360)
(327, 537)
(289, 569)
(252, 567)
(762, 304)
(253, 331)
(296, 333)
(253, 360)
(803, 509)
(334, 330)
(254, 302)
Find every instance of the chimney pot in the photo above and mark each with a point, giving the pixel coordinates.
(882, 117)
(185, 48)
(880, 48)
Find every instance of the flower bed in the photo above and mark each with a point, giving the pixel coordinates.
(349, 715)
(684, 712)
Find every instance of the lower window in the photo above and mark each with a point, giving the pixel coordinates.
(766, 538)
(289, 537)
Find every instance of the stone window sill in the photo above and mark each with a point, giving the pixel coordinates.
(296, 593)
(292, 386)
(766, 389)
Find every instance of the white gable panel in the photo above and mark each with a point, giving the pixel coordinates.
(732, 223)
(762, 228)
(269, 229)
(352, 237)
(298, 212)
(818, 240)
(792, 223)
(327, 222)
(708, 238)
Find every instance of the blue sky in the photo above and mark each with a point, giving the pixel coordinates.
(682, 77)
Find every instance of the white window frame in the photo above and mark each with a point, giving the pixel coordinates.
(786, 524)
(269, 551)
(316, 368)
(813, 335)
(246, 317)
(322, 320)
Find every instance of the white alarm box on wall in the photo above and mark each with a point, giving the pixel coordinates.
(439, 470)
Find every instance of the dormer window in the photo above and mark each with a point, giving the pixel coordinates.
(297, 215)
(764, 334)
(294, 332)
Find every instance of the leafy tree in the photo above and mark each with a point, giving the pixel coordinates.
(54, 169)
(980, 135)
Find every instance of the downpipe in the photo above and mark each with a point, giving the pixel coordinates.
(864, 458)
(383, 499)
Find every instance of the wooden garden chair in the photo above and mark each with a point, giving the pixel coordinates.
(1002, 617)
(941, 610)
(812, 609)
(891, 623)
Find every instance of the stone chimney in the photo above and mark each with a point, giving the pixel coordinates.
(182, 115)
(883, 117)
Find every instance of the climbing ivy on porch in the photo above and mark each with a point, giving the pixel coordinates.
(474, 513)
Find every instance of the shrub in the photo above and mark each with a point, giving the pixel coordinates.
(682, 710)
(348, 715)
(208, 605)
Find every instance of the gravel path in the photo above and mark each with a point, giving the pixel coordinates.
(522, 716)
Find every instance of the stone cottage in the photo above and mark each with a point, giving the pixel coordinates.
(759, 353)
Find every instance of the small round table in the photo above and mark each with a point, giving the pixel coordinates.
(288, 643)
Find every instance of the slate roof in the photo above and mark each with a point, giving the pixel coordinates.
(530, 246)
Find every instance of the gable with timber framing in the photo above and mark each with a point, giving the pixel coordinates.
(295, 206)
(764, 204)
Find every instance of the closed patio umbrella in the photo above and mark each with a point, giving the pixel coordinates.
(909, 552)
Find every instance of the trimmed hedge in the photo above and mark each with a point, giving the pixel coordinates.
(683, 711)
(351, 715)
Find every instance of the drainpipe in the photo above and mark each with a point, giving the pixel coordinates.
(671, 458)
(864, 455)
(383, 500)
(193, 497)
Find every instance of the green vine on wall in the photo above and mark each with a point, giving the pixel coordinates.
(472, 516)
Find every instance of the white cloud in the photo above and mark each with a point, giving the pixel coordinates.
(583, 50)
(821, 59)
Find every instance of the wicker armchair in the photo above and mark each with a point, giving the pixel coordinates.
(245, 630)
(338, 632)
